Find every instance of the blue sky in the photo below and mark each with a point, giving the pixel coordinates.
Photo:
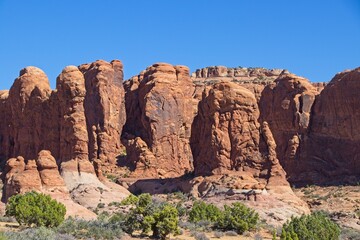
(314, 39)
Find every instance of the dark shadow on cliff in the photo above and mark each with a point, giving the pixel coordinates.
(159, 186)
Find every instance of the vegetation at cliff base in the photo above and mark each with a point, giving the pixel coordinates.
(159, 217)
(236, 217)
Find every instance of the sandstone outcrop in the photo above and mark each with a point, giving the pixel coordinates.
(161, 108)
(253, 79)
(104, 109)
(26, 100)
(78, 122)
(226, 138)
(42, 175)
(286, 107)
(330, 154)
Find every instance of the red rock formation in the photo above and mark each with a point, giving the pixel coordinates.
(104, 109)
(41, 175)
(4, 126)
(77, 122)
(331, 153)
(26, 97)
(162, 101)
(286, 107)
(226, 138)
(225, 130)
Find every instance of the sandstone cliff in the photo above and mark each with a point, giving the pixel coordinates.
(330, 154)
(77, 122)
(286, 107)
(161, 108)
(220, 131)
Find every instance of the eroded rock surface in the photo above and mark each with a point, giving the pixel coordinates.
(78, 122)
(286, 107)
(161, 108)
(226, 138)
(330, 154)
(42, 175)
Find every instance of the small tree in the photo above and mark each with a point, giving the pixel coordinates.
(161, 219)
(163, 222)
(202, 211)
(237, 217)
(37, 209)
(315, 226)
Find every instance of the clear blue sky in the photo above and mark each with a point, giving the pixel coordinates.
(311, 38)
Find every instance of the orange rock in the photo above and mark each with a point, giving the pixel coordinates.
(160, 107)
(286, 107)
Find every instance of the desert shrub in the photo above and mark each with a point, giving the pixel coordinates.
(350, 234)
(218, 234)
(181, 209)
(2, 236)
(258, 237)
(187, 225)
(7, 219)
(148, 215)
(202, 211)
(315, 226)
(130, 200)
(200, 236)
(231, 233)
(117, 218)
(96, 229)
(41, 233)
(237, 217)
(163, 221)
(37, 209)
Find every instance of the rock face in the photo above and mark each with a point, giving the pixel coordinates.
(78, 122)
(4, 129)
(331, 153)
(226, 138)
(157, 134)
(26, 100)
(41, 175)
(104, 109)
(286, 107)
